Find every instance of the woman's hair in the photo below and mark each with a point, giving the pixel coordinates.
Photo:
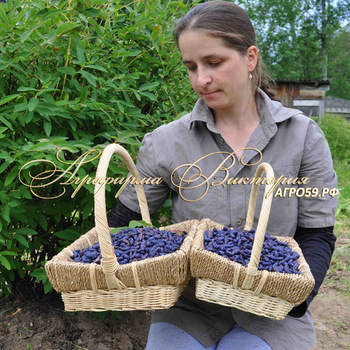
(229, 22)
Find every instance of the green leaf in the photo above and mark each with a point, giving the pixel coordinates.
(120, 107)
(149, 95)
(84, 94)
(137, 95)
(47, 287)
(3, 15)
(6, 122)
(97, 67)
(67, 70)
(26, 231)
(47, 127)
(126, 134)
(2, 129)
(10, 177)
(32, 104)
(25, 88)
(89, 77)
(25, 35)
(29, 117)
(6, 213)
(73, 124)
(3, 167)
(20, 107)
(80, 55)
(116, 229)
(6, 252)
(40, 274)
(138, 223)
(25, 192)
(66, 27)
(22, 240)
(5, 262)
(8, 99)
(68, 235)
(148, 86)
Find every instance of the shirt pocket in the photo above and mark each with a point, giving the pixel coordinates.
(194, 197)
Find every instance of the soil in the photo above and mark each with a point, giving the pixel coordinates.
(44, 325)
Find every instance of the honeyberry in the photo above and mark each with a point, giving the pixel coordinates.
(134, 244)
(237, 245)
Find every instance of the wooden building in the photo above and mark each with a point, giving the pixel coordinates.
(305, 95)
(338, 106)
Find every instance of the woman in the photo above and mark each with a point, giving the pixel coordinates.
(234, 116)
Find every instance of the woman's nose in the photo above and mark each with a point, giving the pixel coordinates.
(203, 78)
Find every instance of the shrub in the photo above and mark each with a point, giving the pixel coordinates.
(75, 75)
(337, 131)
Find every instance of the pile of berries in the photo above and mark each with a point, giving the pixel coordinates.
(134, 244)
(236, 245)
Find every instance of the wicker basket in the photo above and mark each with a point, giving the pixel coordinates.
(225, 282)
(149, 284)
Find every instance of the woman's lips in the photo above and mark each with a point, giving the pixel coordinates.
(210, 94)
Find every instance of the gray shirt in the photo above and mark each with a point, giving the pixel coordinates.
(198, 168)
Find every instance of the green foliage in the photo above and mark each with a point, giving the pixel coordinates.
(337, 131)
(291, 33)
(75, 75)
(339, 64)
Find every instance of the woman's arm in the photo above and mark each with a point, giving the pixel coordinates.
(317, 245)
(121, 216)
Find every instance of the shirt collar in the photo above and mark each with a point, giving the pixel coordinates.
(271, 112)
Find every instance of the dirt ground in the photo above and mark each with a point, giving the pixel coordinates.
(43, 325)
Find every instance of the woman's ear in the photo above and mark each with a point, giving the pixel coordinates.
(252, 56)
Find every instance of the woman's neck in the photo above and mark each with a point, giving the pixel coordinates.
(241, 116)
(237, 126)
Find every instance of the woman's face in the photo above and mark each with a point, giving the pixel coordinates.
(218, 74)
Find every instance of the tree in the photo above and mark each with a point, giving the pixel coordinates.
(339, 63)
(293, 35)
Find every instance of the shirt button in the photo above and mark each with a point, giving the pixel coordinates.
(217, 332)
(239, 222)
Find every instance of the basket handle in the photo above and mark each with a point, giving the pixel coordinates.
(109, 261)
(252, 269)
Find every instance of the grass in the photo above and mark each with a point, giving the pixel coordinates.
(339, 271)
(337, 130)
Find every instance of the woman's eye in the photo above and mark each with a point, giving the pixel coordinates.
(191, 69)
(214, 64)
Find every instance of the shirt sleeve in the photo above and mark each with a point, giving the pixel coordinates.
(120, 216)
(317, 245)
(317, 206)
(148, 167)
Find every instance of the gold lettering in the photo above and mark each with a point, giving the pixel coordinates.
(230, 180)
(156, 181)
(284, 181)
(146, 181)
(246, 180)
(296, 181)
(278, 192)
(305, 180)
(80, 183)
(290, 180)
(127, 180)
(276, 183)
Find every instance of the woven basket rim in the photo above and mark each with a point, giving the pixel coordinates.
(304, 275)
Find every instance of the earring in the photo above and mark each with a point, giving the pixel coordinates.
(250, 76)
